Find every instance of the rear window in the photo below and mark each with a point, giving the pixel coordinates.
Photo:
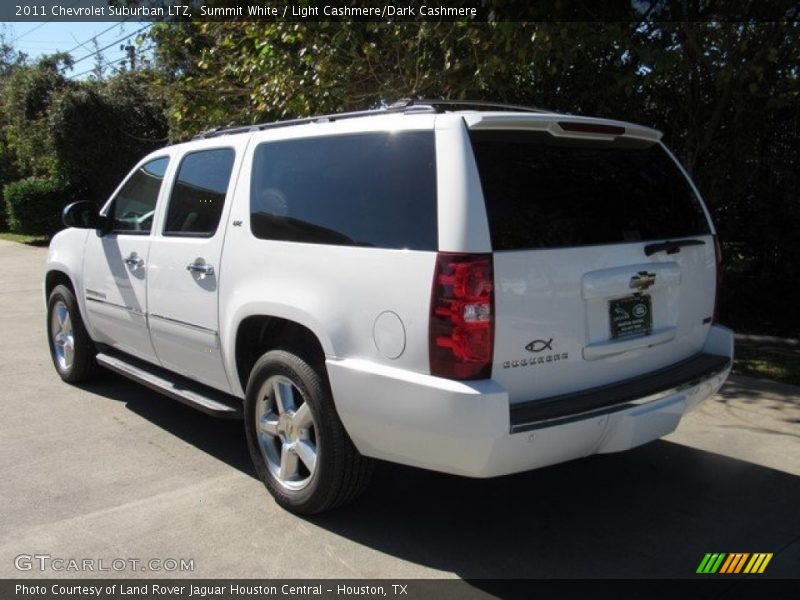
(372, 189)
(543, 191)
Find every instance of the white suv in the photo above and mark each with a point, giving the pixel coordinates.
(473, 289)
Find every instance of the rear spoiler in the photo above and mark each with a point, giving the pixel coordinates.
(562, 125)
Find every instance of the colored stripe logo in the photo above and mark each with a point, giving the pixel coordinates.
(735, 562)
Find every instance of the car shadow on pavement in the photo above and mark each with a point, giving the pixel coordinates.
(221, 438)
(650, 512)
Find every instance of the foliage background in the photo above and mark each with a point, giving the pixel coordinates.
(725, 94)
(35, 205)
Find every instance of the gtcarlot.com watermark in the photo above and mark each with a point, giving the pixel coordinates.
(46, 563)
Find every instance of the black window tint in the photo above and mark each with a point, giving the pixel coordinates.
(133, 207)
(376, 189)
(543, 191)
(198, 195)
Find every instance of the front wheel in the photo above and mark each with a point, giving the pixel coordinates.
(71, 348)
(298, 445)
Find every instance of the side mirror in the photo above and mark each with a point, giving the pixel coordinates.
(83, 215)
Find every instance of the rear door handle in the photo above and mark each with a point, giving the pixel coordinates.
(199, 266)
(134, 261)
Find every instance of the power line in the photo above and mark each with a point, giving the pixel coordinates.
(74, 39)
(123, 38)
(50, 42)
(94, 37)
(39, 26)
(141, 54)
(81, 73)
(117, 60)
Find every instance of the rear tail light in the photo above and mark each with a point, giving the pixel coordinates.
(718, 259)
(461, 330)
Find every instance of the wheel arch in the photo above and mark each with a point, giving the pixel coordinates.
(259, 332)
(57, 276)
(64, 266)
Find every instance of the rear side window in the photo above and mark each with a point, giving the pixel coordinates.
(198, 195)
(371, 189)
(543, 191)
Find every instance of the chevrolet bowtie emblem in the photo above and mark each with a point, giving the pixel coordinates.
(642, 280)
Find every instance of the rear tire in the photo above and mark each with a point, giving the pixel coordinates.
(71, 348)
(298, 445)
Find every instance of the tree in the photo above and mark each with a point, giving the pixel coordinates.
(86, 134)
(101, 129)
(28, 95)
(10, 59)
(219, 73)
(724, 92)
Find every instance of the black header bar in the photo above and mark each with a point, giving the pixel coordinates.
(395, 11)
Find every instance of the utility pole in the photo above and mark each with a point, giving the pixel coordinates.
(130, 49)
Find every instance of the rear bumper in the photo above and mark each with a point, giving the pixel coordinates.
(557, 410)
(469, 428)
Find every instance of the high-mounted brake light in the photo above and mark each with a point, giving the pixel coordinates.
(582, 127)
(461, 330)
(718, 260)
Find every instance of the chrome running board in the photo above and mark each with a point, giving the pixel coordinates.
(177, 387)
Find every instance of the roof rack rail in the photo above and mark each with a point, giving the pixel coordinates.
(405, 105)
(440, 105)
(232, 129)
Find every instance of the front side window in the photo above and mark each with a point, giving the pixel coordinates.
(133, 207)
(369, 189)
(198, 195)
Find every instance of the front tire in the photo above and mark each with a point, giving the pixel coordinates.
(71, 348)
(298, 445)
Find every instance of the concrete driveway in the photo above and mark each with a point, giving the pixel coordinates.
(112, 470)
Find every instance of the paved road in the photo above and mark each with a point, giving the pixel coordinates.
(111, 470)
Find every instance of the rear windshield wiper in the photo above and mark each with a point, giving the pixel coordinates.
(670, 247)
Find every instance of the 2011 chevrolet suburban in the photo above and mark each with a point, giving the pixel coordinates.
(473, 289)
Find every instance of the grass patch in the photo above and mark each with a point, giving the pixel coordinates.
(21, 238)
(779, 364)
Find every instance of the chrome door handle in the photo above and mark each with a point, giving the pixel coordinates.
(201, 268)
(134, 261)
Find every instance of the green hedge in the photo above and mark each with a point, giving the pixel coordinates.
(33, 206)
